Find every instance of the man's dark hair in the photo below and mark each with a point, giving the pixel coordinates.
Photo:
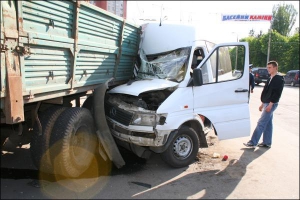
(273, 62)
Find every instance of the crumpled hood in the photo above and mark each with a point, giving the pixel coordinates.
(138, 87)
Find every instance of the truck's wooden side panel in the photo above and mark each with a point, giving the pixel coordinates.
(68, 47)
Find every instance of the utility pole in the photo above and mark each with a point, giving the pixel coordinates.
(236, 53)
(161, 8)
(269, 44)
(236, 50)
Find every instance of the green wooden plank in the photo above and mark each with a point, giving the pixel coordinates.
(44, 18)
(58, 5)
(35, 8)
(51, 43)
(46, 74)
(29, 69)
(45, 63)
(46, 37)
(48, 57)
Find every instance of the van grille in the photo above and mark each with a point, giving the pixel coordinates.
(117, 114)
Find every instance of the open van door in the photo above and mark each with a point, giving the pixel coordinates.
(223, 96)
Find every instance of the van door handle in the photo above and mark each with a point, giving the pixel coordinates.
(241, 90)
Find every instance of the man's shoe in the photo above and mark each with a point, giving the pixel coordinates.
(264, 145)
(249, 144)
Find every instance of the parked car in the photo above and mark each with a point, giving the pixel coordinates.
(292, 77)
(261, 75)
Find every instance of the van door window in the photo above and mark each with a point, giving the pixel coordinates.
(227, 63)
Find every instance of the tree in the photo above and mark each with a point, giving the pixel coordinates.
(256, 57)
(291, 56)
(284, 18)
(251, 32)
(283, 49)
(277, 47)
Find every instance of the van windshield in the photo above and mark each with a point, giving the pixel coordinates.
(170, 65)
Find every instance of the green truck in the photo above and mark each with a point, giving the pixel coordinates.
(55, 54)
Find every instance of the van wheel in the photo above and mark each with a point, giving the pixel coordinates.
(183, 149)
(39, 146)
(73, 142)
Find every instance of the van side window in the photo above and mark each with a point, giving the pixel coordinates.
(223, 65)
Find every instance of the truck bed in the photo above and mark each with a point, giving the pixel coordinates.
(63, 48)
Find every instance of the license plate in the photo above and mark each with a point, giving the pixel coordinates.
(264, 80)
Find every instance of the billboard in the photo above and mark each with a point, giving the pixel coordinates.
(239, 17)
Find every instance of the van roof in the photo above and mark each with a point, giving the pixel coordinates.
(158, 38)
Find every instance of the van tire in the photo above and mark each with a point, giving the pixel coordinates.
(73, 142)
(175, 157)
(39, 146)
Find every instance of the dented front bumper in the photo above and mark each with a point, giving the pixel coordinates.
(138, 135)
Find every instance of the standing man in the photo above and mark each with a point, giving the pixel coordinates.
(251, 79)
(269, 97)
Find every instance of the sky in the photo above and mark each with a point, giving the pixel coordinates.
(206, 15)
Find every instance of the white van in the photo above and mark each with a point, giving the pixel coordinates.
(184, 88)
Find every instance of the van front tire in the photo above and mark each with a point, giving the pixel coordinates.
(183, 148)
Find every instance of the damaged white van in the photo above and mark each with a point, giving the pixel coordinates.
(184, 88)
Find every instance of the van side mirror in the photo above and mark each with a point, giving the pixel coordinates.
(197, 77)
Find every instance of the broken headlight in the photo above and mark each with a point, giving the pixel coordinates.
(147, 119)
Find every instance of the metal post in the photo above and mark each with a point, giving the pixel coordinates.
(269, 44)
(161, 8)
(236, 52)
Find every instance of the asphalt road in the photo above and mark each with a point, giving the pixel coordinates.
(247, 174)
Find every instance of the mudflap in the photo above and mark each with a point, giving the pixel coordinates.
(103, 131)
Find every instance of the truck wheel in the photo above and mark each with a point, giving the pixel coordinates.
(39, 146)
(73, 141)
(183, 148)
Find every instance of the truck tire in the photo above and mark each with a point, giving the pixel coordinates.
(73, 142)
(183, 148)
(39, 146)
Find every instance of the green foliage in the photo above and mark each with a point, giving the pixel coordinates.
(297, 30)
(284, 18)
(291, 56)
(257, 56)
(283, 49)
(278, 47)
(240, 50)
(251, 33)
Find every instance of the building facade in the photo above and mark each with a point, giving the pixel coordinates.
(117, 7)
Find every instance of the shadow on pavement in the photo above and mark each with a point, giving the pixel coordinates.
(211, 184)
(99, 167)
(168, 182)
